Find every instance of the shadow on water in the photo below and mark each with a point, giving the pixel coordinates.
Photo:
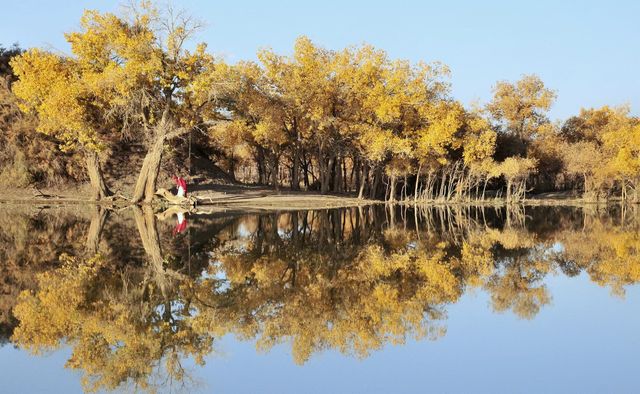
(135, 293)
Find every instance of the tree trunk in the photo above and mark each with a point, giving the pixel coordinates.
(355, 173)
(325, 174)
(305, 169)
(373, 193)
(392, 188)
(337, 180)
(261, 170)
(274, 172)
(323, 169)
(442, 183)
(147, 180)
(484, 187)
(345, 183)
(415, 191)
(99, 189)
(295, 169)
(429, 187)
(363, 180)
(403, 193)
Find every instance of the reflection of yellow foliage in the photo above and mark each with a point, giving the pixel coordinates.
(114, 334)
(610, 255)
(318, 280)
(375, 299)
(477, 260)
(512, 238)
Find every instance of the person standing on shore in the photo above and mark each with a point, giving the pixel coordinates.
(181, 186)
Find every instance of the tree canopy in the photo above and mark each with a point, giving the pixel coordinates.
(351, 120)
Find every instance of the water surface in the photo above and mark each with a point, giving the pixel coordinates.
(369, 299)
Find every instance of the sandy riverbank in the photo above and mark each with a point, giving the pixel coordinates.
(237, 196)
(260, 197)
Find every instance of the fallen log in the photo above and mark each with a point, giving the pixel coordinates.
(176, 200)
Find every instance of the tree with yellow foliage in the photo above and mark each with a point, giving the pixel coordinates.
(479, 145)
(54, 88)
(520, 108)
(349, 120)
(622, 142)
(128, 74)
(601, 148)
(516, 171)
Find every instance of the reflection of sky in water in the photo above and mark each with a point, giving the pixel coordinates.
(242, 231)
(561, 350)
(586, 341)
(284, 234)
(219, 274)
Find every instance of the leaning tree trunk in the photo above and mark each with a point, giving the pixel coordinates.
(484, 187)
(99, 189)
(415, 191)
(148, 177)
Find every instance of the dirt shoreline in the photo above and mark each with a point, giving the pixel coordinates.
(235, 196)
(257, 197)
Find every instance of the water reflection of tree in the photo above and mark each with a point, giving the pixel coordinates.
(324, 283)
(352, 280)
(120, 319)
(31, 241)
(607, 248)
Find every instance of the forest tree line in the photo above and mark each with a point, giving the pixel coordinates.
(336, 121)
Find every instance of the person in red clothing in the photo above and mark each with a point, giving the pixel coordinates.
(181, 186)
(181, 224)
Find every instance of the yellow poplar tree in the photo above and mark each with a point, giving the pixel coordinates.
(55, 88)
(520, 108)
(135, 71)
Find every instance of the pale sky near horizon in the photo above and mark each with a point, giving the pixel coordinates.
(587, 51)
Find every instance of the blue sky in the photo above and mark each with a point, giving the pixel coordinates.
(587, 51)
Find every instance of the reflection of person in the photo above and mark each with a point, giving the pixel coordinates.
(181, 224)
(181, 186)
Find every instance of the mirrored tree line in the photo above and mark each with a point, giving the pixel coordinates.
(134, 302)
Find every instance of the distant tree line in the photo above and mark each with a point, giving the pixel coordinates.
(344, 121)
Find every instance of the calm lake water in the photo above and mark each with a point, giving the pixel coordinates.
(358, 300)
